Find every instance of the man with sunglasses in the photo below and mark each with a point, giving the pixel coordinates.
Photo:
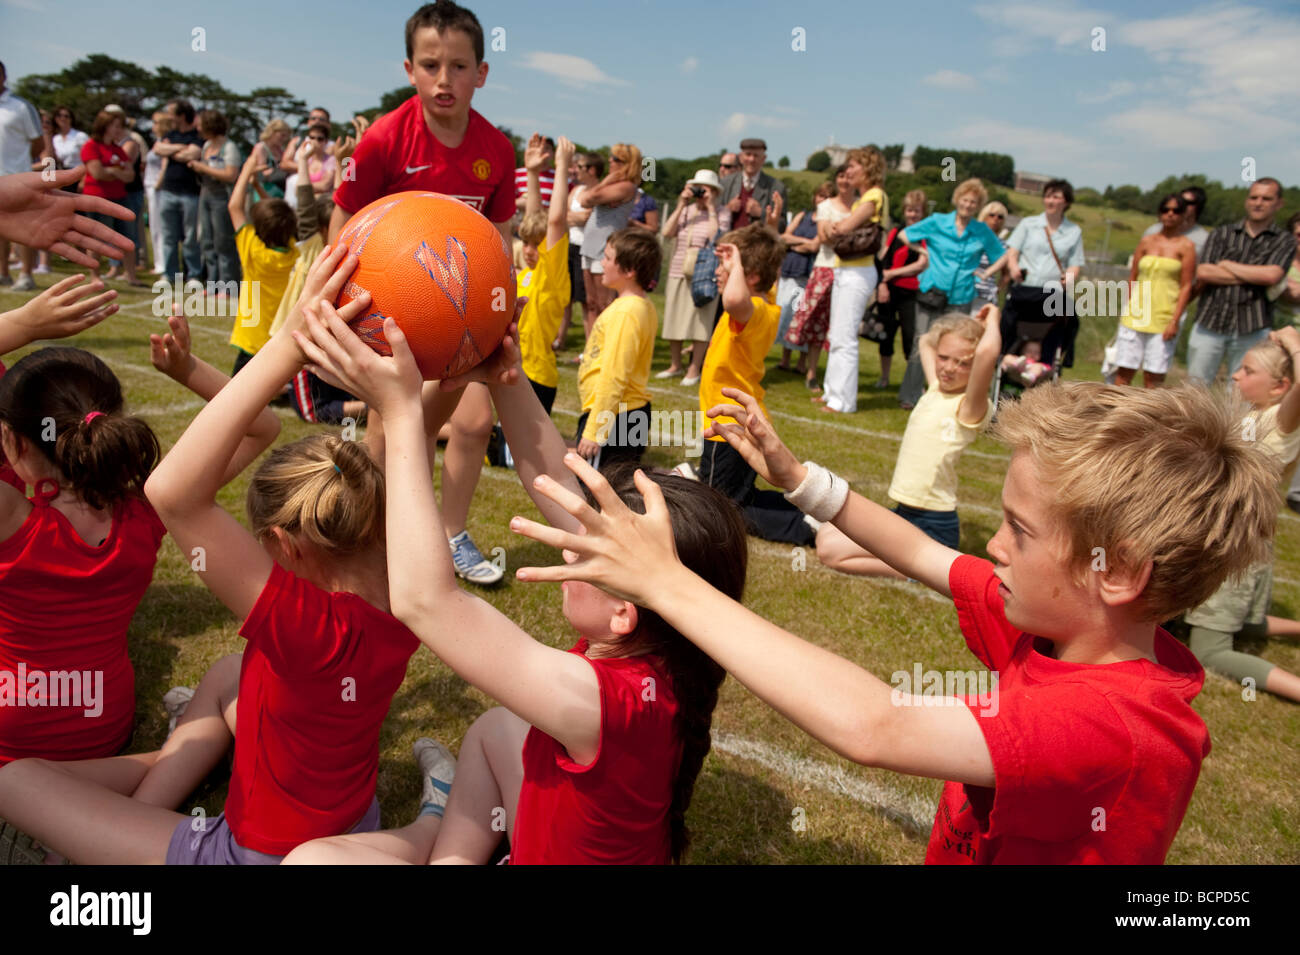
(728, 165)
(1195, 198)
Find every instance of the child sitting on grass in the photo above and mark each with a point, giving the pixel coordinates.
(613, 379)
(1239, 608)
(593, 755)
(1091, 749)
(748, 262)
(958, 357)
(267, 254)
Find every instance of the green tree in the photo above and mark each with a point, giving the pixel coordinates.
(819, 161)
(784, 162)
(274, 102)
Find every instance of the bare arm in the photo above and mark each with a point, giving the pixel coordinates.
(608, 193)
(1253, 274)
(557, 224)
(987, 352)
(735, 295)
(1213, 273)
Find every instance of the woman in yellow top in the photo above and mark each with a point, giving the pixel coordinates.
(855, 279)
(1160, 284)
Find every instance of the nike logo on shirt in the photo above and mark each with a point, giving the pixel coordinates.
(412, 170)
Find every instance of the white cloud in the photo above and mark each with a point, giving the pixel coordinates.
(573, 70)
(950, 80)
(1030, 24)
(1113, 90)
(690, 65)
(740, 122)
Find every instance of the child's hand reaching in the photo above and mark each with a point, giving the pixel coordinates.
(564, 150)
(170, 352)
(61, 311)
(756, 440)
(388, 385)
(535, 153)
(329, 273)
(621, 552)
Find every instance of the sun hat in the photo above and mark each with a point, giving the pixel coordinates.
(705, 177)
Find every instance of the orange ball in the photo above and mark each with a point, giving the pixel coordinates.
(437, 267)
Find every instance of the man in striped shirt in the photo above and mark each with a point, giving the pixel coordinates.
(1241, 260)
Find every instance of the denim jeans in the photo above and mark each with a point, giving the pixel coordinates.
(217, 239)
(179, 213)
(1206, 351)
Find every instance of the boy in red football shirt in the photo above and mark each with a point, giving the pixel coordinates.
(1088, 748)
(435, 141)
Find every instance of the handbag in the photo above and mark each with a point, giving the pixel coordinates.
(704, 280)
(861, 242)
(932, 300)
(873, 329)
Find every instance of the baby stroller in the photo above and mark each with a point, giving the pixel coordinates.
(1054, 339)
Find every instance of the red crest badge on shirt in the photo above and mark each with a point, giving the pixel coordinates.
(482, 168)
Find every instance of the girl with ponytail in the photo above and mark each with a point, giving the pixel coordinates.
(78, 555)
(322, 659)
(594, 752)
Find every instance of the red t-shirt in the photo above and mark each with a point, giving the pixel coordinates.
(319, 673)
(65, 607)
(110, 154)
(614, 811)
(903, 254)
(7, 472)
(398, 153)
(1092, 763)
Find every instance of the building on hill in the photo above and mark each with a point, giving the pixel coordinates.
(1031, 182)
(840, 153)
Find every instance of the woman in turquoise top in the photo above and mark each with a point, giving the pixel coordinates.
(954, 241)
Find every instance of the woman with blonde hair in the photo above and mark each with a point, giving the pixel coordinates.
(611, 202)
(855, 278)
(896, 294)
(988, 284)
(955, 241)
(270, 149)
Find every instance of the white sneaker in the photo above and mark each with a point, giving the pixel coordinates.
(669, 373)
(25, 283)
(437, 770)
(175, 702)
(470, 562)
(691, 382)
(41, 270)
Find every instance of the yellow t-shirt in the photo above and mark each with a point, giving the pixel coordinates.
(880, 217)
(266, 275)
(615, 365)
(925, 474)
(547, 288)
(1284, 447)
(735, 358)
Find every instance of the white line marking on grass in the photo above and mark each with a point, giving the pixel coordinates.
(911, 812)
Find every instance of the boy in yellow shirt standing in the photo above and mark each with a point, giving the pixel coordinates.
(615, 371)
(748, 262)
(546, 254)
(267, 254)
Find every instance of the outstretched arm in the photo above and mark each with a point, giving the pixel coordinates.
(37, 212)
(557, 224)
(61, 311)
(834, 700)
(183, 488)
(170, 354)
(987, 352)
(555, 691)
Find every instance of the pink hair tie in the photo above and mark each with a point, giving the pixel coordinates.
(91, 416)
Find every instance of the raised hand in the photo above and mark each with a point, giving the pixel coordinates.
(754, 437)
(564, 150)
(61, 311)
(535, 153)
(329, 273)
(36, 211)
(170, 352)
(621, 552)
(338, 356)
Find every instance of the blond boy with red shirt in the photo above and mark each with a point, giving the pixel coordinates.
(1091, 750)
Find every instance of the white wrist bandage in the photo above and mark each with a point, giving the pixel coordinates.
(821, 495)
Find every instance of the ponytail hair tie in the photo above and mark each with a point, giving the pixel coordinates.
(91, 416)
(336, 468)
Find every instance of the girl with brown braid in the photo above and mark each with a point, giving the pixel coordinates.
(592, 756)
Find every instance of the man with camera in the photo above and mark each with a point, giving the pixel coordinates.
(748, 195)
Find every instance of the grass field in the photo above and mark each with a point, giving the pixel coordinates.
(763, 774)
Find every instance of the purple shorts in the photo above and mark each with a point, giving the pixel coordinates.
(215, 844)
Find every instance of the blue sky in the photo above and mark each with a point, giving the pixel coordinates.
(1179, 87)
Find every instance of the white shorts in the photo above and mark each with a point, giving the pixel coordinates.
(594, 266)
(1147, 351)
